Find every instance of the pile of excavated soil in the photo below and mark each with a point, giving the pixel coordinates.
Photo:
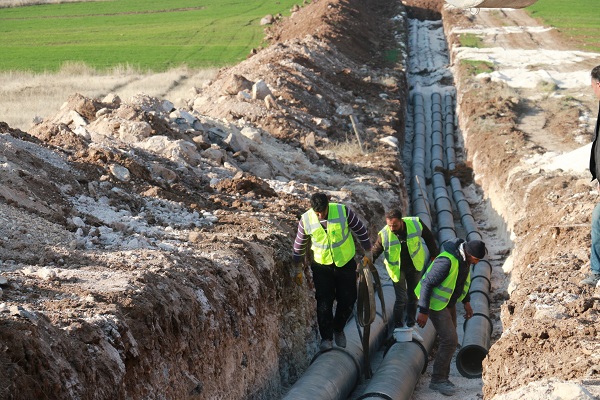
(145, 250)
(549, 346)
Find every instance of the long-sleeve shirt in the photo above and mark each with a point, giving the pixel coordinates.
(439, 270)
(354, 223)
(405, 260)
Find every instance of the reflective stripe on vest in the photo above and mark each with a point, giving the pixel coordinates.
(414, 232)
(392, 247)
(334, 246)
(443, 292)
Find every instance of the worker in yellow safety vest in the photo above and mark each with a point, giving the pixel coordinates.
(445, 282)
(328, 225)
(402, 241)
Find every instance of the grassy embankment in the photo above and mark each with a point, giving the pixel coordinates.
(572, 19)
(577, 20)
(146, 34)
(159, 48)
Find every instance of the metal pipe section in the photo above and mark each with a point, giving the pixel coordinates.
(401, 367)
(332, 375)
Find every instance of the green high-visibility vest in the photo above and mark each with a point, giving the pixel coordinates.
(443, 292)
(392, 247)
(334, 246)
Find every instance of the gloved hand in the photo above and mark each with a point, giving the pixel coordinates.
(368, 258)
(298, 273)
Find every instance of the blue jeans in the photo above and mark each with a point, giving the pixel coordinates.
(595, 253)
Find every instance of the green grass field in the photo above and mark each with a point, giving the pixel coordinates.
(151, 35)
(578, 20)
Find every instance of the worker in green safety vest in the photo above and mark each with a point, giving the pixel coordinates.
(445, 282)
(328, 225)
(407, 245)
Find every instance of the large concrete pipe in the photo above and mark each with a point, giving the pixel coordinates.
(332, 375)
(478, 329)
(491, 3)
(443, 204)
(419, 198)
(464, 209)
(401, 367)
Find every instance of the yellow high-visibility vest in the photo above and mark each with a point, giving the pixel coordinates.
(392, 247)
(334, 246)
(443, 292)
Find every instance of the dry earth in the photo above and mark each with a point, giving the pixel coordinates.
(145, 252)
(550, 323)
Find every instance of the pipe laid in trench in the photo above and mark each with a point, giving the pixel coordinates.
(401, 367)
(478, 329)
(333, 374)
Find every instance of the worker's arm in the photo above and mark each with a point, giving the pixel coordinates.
(435, 275)
(299, 244)
(429, 240)
(361, 231)
(377, 248)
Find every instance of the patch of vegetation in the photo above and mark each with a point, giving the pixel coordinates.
(476, 67)
(576, 19)
(545, 86)
(147, 34)
(392, 56)
(470, 40)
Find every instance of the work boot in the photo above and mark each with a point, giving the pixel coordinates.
(340, 339)
(591, 280)
(446, 388)
(326, 345)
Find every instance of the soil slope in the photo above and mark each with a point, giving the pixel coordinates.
(550, 322)
(145, 249)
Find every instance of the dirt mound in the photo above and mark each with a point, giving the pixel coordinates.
(550, 322)
(146, 248)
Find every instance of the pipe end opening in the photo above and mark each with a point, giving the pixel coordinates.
(469, 361)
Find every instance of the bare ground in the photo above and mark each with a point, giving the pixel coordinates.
(550, 322)
(147, 256)
(173, 281)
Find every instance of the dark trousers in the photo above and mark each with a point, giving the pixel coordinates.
(334, 284)
(444, 322)
(405, 296)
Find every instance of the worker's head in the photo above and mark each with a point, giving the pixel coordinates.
(474, 251)
(320, 204)
(596, 81)
(393, 219)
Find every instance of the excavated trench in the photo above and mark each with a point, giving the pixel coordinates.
(443, 194)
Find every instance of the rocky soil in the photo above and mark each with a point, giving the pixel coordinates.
(145, 249)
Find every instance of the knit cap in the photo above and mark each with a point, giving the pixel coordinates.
(476, 248)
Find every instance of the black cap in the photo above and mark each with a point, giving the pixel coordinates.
(476, 248)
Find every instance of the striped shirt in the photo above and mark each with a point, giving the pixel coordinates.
(354, 223)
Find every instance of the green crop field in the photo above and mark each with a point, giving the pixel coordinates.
(153, 35)
(578, 20)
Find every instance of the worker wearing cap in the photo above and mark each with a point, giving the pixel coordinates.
(329, 226)
(402, 241)
(446, 281)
